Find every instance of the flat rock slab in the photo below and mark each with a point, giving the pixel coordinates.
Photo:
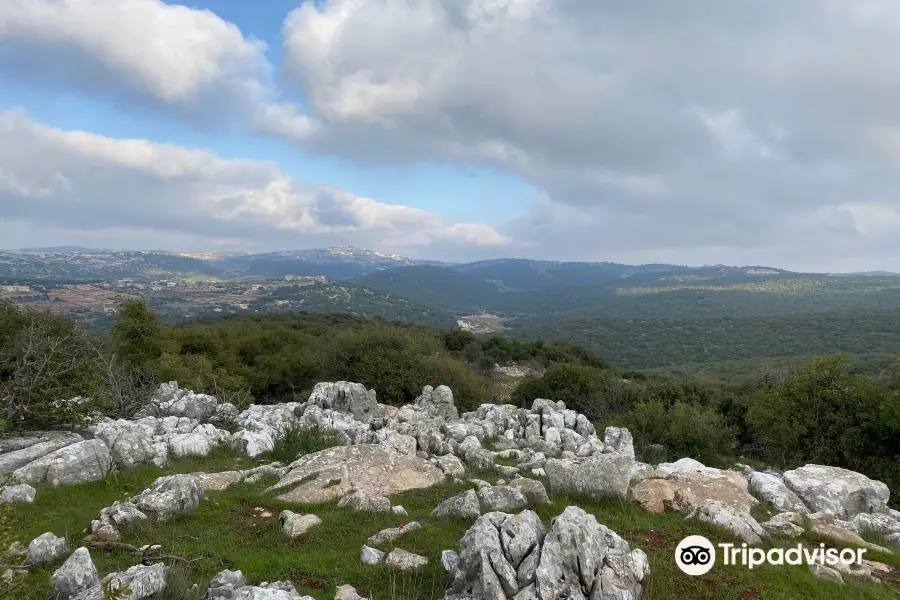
(77, 463)
(329, 474)
(21, 451)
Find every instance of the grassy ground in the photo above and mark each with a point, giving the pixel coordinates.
(226, 533)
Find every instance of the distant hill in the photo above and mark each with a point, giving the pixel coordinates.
(339, 262)
(58, 250)
(104, 265)
(75, 263)
(444, 287)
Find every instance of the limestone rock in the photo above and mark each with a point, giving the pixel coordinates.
(451, 465)
(438, 402)
(578, 551)
(739, 523)
(77, 574)
(534, 490)
(884, 524)
(254, 592)
(392, 534)
(618, 440)
(501, 498)
(404, 561)
(786, 524)
(347, 397)
(143, 581)
(770, 488)
(224, 585)
(22, 493)
(218, 482)
(463, 506)
(46, 548)
(80, 462)
(363, 502)
(252, 443)
(170, 400)
(371, 556)
(845, 493)
(826, 573)
(18, 452)
(366, 467)
(169, 496)
(699, 485)
(346, 592)
(842, 534)
(449, 560)
(653, 495)
(596, 477)
(295, 525)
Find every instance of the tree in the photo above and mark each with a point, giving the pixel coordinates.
(595, 392)
(45, 361)
(825, 415)
(139, 336)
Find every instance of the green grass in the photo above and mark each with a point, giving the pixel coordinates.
(224, 533)
(293, 441)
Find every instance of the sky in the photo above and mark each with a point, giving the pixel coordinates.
(748, 132)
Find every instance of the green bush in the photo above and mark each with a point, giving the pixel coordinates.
(398, 362)
(682, 429)
(825, 415)
(597, 393)
(45, 360)
(294, 441)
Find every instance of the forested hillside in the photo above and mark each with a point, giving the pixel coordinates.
(820, 412)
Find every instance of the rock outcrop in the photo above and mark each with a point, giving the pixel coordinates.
(512, 556)
(332, 473)
(844, 493)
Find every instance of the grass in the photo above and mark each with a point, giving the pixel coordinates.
(294, 441)
(226, 533)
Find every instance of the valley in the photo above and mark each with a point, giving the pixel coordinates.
(658, 316)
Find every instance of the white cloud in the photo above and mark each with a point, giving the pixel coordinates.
(75, 179)
(186, 62)
(651, 129)
(750, 129)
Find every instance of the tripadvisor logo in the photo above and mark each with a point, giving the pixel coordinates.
(696, 555)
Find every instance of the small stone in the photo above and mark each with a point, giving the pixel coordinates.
(295, 525)
(827, 573)
(345, 592)
(77, 574)
(392, 534)
(404, 561)
(449, 560)
(371, 556)
(22, 493)
(224, 585)
(398, 510)
(46, 549)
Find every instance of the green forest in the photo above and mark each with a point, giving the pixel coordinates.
(823, 410)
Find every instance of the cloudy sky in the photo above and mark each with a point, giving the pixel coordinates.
(739, 132)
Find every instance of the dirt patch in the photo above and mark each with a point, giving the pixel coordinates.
(891, 577)
(650, 539)
(304, 580)
(260, 513)
(749, 595)
(481, 323)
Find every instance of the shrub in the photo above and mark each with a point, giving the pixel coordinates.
(294, 441)
(683, 429)
(597, 393)
(45, 360)
(825, 415)
(398, 362)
